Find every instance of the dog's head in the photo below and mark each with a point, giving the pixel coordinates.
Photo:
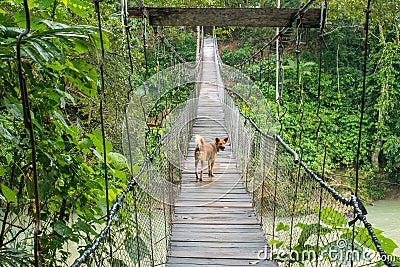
(220, 143)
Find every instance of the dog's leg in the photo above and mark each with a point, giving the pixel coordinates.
(201, 171)
(212, 168)
(209, 168)
(196, 163)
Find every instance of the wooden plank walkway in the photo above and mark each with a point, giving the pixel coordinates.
(215, 224)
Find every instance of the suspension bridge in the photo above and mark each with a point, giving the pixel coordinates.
(213, 217)
(262, 203)
(264, 206)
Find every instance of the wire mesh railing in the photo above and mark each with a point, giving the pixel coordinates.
(139, 228)
(305, 220)
(139, 224)
(140, 220)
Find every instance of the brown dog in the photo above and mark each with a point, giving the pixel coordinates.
(207, 152)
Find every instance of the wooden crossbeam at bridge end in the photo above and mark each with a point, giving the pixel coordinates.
(251, 17)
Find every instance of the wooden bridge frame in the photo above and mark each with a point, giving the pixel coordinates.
(252, 17)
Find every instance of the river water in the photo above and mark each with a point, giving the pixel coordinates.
(385, 215)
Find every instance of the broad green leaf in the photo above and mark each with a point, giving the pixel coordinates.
(5, 133)
(9, 194)
(36, 21)
(80, 8)
(55, 65)
(67, 42)
(85, 143)
(81, 46)
(277, 243)
(83, 76)
(14, 108)
(308, 230)
(51, 48)
(85, 227)
(97, 139)
(98, 155)
(282, 227)
(9, 158)
(332, 217)
(113, 194)
(43, 4)
(61, 119)
(31, 53)
(10, 32)
(118, 174)
(133, 245)
(363, 237)
(43, 52)
(71, 66)
(117, 160)
(62, 229)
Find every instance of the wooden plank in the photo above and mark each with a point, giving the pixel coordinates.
(237, 222)
(212, 245)
(214, 216)
(184, 230)
(213, 204)
(224, 198)
(254, 17)
(216, 254)
(175, 261)
(183, 211)
(214, 222)
(243, 227)
(216, 237)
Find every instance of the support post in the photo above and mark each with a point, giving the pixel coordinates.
(277, 62)
(198, 43)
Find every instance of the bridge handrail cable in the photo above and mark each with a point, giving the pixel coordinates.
(281, 32)
(253, 148)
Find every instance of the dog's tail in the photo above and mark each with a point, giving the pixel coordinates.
(199, 141)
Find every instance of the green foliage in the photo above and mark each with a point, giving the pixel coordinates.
(14, 258)
(340, 92)
(59, 59)
(334, 235)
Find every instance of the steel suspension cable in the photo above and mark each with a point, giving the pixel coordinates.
(279, 87)
(357, 167)
(102, 96)
(299, 31)
(146, 73)
(324, 7)
(362, 111)
(279, 33)
(116, 206)
(165, 40)
(134, 196)
(29, 126)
